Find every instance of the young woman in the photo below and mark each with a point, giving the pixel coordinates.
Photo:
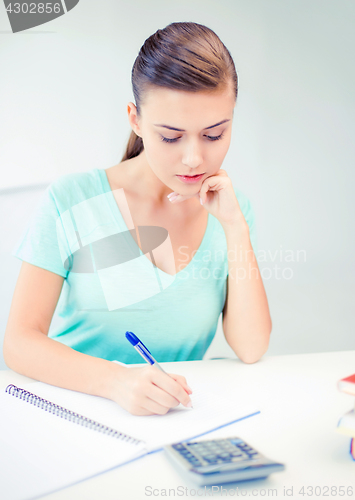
(159, 244)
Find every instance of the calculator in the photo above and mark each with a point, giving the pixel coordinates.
(220, 461)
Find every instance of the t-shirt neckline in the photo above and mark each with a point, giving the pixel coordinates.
(206, 237)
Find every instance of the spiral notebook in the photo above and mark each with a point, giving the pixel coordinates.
(52, 437)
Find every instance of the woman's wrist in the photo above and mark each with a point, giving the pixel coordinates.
(107, 378)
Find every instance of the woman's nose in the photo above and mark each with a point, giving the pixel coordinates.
(192, 155)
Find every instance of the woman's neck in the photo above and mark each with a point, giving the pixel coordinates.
(137, 178)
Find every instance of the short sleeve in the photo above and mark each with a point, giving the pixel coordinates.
(39, 244)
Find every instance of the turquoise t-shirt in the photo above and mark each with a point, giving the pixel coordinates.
(111, 286)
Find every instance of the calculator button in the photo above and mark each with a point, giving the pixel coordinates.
(238, 442)
(178, 446)
(204, 451)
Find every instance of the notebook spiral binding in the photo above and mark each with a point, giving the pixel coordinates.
(61, 412)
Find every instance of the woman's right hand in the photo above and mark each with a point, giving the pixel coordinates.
(148, 390)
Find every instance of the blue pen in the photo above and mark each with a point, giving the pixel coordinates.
(143, 350)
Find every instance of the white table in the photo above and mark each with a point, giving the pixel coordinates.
(300, 407)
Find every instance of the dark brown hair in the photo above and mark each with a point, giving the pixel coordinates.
(183, 56)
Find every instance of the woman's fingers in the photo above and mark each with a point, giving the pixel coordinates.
(161, 397)
(182, 381)
(172, 387)
(176, 197)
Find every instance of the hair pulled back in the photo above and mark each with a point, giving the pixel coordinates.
(183, 56)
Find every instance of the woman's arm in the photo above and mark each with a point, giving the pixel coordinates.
(246, 318)
(28, 350)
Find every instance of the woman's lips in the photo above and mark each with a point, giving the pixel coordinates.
(190, 178)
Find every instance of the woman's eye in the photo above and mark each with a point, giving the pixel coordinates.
(165, 139)
(214, 138)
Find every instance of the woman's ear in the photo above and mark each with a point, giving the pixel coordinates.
(133, 118)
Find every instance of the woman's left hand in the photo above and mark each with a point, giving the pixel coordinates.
(218, 198)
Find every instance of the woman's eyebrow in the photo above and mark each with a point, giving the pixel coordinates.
(182, 130)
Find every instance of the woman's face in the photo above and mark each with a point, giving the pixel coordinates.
(185, 133)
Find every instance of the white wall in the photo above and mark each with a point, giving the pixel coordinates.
(64, 87)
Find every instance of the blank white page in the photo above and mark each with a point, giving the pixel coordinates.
(41, 452)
